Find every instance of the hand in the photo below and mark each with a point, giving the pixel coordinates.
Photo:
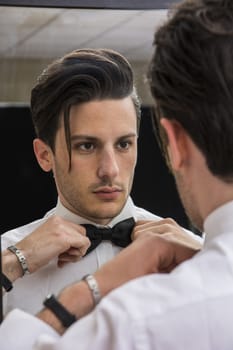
(169, 229)
(150, 253)
(54, 238)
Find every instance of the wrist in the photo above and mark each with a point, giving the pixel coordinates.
(76, 299)
(47, 316)
(11, 266)
(21, 258)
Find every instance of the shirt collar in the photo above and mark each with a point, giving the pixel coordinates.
(127, 212)
(219, 221)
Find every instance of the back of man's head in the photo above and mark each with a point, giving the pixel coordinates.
(80, 76)
(191, 77)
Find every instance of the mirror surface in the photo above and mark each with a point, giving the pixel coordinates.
(30, 39)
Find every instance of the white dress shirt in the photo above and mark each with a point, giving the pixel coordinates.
(190, 308)
(30, 291)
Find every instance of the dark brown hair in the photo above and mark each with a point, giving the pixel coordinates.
(191, 77)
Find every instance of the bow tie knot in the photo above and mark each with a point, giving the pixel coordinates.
(120, 234)
(104, 233)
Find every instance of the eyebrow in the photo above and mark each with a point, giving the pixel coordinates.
(93, 138)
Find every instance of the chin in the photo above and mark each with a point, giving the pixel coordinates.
(107, 213)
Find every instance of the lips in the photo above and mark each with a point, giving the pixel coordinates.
(108, 193)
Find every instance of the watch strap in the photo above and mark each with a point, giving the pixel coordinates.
(66, 317)
(6, 283)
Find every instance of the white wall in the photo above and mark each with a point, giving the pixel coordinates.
(19, 76)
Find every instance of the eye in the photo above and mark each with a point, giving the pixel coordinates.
(124, 145)
(85, 146)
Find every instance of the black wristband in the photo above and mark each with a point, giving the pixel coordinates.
(59, 310)
(6, 283)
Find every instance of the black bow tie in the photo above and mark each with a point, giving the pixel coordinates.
(120, 234)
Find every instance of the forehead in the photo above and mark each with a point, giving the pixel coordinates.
(106, 115)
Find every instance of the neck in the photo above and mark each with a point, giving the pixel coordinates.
(210, 192)
(68, 214)
(207, 191)
(215, 194)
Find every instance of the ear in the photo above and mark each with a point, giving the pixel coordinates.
(43, 154)
(177, 142)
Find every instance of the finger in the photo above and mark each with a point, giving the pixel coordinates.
(63, 224)
(61, 263)
(82, 243)
(72, 227)
(172, 254)
(79, 228)
(157, 222)
(156, 229)
(71, 252)
(183, 239)
(68, 259)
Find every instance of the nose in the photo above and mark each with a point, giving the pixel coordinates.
(108, 166)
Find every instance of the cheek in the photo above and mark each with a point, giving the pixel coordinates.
(62, 158)
(83, 171)
(128, 166)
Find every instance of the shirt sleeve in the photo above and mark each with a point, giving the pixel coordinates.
(103, 329)
(21, 331)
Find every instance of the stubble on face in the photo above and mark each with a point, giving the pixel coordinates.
(79, 199)
(81, 190)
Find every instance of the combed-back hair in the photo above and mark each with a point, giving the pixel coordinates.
(80, 76)
(191, 77)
